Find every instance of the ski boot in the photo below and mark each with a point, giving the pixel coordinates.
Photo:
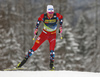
(22, 63)
(52, 69)
(51, 66)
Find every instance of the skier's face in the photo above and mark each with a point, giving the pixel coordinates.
(50, 15)
(50, 11)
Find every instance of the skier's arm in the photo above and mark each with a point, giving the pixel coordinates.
(39, 21)
(60, 17)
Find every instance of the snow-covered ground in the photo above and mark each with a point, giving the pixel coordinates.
(47, 74)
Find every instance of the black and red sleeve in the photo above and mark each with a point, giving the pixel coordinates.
(60, 17)
(41, 18)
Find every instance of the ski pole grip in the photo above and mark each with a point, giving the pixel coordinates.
(61, 37)
(37, 33)
(59, 30)
(34, 37)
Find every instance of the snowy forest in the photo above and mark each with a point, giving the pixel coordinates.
(77, 51)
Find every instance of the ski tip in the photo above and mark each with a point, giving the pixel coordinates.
(14, 69)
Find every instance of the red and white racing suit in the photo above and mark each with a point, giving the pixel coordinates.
(48, 33)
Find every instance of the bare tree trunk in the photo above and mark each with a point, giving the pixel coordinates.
(32, 28)
(97, 41)
(51, 2)
(60, 7)
(24, 25)
(9, 10)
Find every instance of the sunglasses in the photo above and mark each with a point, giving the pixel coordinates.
(50, 12)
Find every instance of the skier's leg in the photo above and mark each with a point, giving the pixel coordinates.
(30, 52)
(52, 55)
(22, 63)
(52, 42)
(38, 42)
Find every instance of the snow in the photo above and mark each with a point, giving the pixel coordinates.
(13, 8)
(74, 44)
(47, 74)
(68, 48)
(60, 43)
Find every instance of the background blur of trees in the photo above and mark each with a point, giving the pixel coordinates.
(77, 51)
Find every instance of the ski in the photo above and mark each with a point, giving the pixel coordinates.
(14, 69)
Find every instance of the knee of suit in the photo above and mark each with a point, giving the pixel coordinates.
(30, 52)
(52, 55)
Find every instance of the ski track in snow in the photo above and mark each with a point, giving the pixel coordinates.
(47, 74)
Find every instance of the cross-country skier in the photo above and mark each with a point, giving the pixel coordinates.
(49, 33)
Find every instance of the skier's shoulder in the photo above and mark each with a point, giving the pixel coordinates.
(42, 15)
(59, 15)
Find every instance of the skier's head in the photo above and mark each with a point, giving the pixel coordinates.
(50, 9)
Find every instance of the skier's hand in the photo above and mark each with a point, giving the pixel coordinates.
(60, 30)
(36, 31)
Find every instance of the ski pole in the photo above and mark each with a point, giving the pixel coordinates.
(61, 36)
(34, 37)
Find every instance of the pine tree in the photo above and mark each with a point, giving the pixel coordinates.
(87, 43)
